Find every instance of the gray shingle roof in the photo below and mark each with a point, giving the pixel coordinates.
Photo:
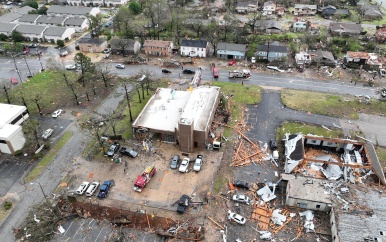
(118, 43)
(231, 47)
(56, 9)
(74, 21)
(44, 19)
(272, 48)
(30, 29)
(268, 24)
(9, 17)
(346, 28)
(194, 43)
(94, 41)
(55, 31)
(7, 27)
(29, 18)
(23, 10)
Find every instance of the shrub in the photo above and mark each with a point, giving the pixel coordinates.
(60, 43)
(38, 155)
(7, 205)
(18, 152)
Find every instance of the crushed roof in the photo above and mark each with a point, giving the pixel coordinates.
(307, 188)
(346, 27)
(194, 43)
(95, 41)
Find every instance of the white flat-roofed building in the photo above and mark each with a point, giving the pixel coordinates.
(11, 138)
(13, 114)
(179, 116)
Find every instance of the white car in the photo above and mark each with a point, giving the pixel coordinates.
(57, 113)
(236, 217)
(47, 133)
(198, 163)
(70, 67)
(107, 51)
(120, 66)
(92, 188)
(241, 198)
(82, 188)
(184, 165)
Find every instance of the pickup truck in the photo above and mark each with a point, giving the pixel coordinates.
(129, 152)
(239, 74)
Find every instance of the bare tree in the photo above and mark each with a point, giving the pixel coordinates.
(104, 72)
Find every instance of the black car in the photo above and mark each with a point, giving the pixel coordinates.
(113, 149)
(166, 71)
(241, 184)
(188, 71)
(104, 190)
(183, 203)
(129, 152)
(273, 144)
(174, 162)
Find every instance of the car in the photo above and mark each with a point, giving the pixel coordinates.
(184, 165)
(253, 59)
(106, 51)
(71, 67)
(82, 188)
(113, 149)
(92, 188)
(104, 191)
(183, 203)
(34, 45)
(57, 113)
(198, 163)
(129, 152)
(236, 217)
(231, 63)
(166, 71)
(174, 162)
(241, 184)
(106, 56)
(47, 133)
(120, 66)
(106, 16)
(14, 81)
(275, 68)
(63, 53)
(241, 198)
(273, 144)
(188, 71)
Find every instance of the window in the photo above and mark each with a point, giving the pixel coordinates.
(317, 206)
(2, 141)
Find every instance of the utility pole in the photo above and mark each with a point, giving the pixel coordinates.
(17, 70)
(39, 54)
(29, 71)
(6, 94)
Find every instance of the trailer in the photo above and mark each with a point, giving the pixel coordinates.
(239, 74)
(144, 178)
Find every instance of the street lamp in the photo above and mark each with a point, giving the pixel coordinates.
(41, 188)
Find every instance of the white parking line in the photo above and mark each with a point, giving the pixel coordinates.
(79, 229)
(68, 227)
(100, 231)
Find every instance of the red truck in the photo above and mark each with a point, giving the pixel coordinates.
(144, 179)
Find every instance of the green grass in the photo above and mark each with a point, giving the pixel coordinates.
(242, 95)
(46, 160)
(219, 183)
(4, 213)
(340, 106)
(296, 127)
(381, 152)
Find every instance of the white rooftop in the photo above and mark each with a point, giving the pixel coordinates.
(7, 130)
(308, 189)
(8, 112)
(167, 106)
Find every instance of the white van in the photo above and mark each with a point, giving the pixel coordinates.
(92, 188)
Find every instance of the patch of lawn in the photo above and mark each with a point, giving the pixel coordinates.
(4, 213)
(340, 106)
(46, 160)
(296, 127)
(219, 183)
(381, 152)
(242, 95)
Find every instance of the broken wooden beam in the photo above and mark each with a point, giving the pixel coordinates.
(213, 221)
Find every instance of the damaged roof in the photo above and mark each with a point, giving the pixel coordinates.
(346, 28)
(307, 189)
(358, 55)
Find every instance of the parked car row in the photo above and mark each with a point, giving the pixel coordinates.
(89, 189)
(183, 166)
(124, 151)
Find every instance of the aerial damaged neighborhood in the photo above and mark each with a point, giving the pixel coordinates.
(193, 120)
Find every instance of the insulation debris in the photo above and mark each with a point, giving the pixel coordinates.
(265, 235)
(278, 218)
(309, 223)
(266, 194)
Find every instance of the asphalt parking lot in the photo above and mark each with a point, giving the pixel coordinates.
(163, 190)
(11, 169)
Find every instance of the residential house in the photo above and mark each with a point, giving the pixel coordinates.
(370, 11)
(7, 28)
(323, 58)
(380, 35)
(124, 46)
(231, 51)
(92, 45)
(271, 51)
(269, 26)
(10, 17)
(158, 47)
(78, 3)
(345, 29)
(194, 48)
(72, 11)
(305, 9)
(79, 24)
(313, 29)
(115, 3)
(50, 21)
(280, 11)
(246, 7)
(300, 25)
(28, 18)
(269, 8)
(31, 32)
(93, 3)
(23, 10)
(355, 59)
(330, 11)
(53, 34)
(302, 59)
